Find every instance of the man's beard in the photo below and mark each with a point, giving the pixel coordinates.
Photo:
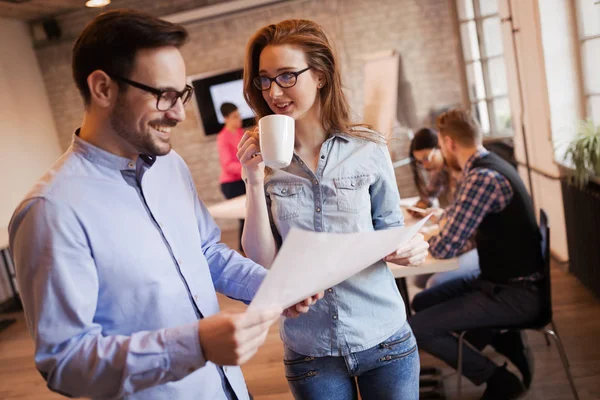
(143, 142)
(452, 162)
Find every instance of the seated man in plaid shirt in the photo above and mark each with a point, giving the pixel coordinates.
(492, 204)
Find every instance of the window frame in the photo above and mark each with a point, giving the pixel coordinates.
(582, 38)
(489, 98)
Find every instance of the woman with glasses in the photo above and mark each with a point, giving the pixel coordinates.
(438, 186)
(341, 179)
(426, 159)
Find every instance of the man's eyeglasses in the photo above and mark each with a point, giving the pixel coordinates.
(284, 80)
(426, 159)
(165, 99)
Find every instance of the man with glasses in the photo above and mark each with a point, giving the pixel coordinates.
(117, 259)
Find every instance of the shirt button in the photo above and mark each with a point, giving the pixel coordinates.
(225, 369)
(323, 157)
(330, 290)
(352, 184)
(284, 191)
(179, 261)
(318, 209)
(316, 182)
(334, 316)
(196, 297)
(130, 165)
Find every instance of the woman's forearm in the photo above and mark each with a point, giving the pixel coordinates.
(257, 239)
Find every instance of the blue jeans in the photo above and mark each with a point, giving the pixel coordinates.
(468, 267)
(388, 371)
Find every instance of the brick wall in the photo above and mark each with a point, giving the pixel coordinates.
(421, 30)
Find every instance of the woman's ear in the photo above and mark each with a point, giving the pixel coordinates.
(321, 81)
(102, 89)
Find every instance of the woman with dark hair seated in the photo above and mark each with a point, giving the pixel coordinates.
(434, 182)
(436, 186)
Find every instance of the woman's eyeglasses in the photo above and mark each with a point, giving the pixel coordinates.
(426, 160)
(284, 80)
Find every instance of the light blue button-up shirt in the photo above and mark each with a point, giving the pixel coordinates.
(353, 190)
(116, 261)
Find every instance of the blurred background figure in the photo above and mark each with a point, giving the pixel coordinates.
(432, 179)
(232, 184)
(436, 185)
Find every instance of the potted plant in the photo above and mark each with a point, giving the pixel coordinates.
(583, 153)
(581, 200)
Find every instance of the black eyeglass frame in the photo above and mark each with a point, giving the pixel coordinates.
(257, 80)
(185, 95)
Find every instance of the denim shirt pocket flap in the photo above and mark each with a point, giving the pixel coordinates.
(352, 183)
(285, 190)
(285, 200)
(353, 193)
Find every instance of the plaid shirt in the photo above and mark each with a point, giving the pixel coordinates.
(482, 191)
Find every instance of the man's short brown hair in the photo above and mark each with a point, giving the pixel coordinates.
(111, 40)
(461, 126)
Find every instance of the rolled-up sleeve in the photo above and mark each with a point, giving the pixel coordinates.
(385, 199)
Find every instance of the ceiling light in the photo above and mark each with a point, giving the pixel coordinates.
(97, 3)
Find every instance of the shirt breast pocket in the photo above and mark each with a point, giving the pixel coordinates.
(285, 200)
(353, 193)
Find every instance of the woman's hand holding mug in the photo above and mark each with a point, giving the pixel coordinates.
(251, 158)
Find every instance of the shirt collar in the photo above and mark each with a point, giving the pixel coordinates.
(342, 136)
(481, 152)
(102, 157)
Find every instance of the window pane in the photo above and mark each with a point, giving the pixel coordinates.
(589, 17)
(475, 81)
(480, 112)
(487, 7)
(465, 9)
(502, 116)
(591, 65)
(492, 37)
(497, 74)
(594, 109)
(468, 34)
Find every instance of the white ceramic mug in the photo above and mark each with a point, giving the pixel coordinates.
(276, 134)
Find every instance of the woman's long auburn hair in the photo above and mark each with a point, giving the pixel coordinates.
(310, 38)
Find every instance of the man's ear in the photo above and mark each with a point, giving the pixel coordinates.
(450, 143)
(103, 90)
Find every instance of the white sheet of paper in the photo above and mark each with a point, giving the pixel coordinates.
(310, 262)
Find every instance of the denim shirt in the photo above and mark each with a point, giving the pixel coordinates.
(353, 190)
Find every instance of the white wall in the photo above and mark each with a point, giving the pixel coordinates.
(561, 55)
(28, 139)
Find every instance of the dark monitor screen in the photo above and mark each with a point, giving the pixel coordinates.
(212, 91)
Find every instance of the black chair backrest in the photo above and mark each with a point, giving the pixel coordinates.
(545, 232)
(504, 148)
